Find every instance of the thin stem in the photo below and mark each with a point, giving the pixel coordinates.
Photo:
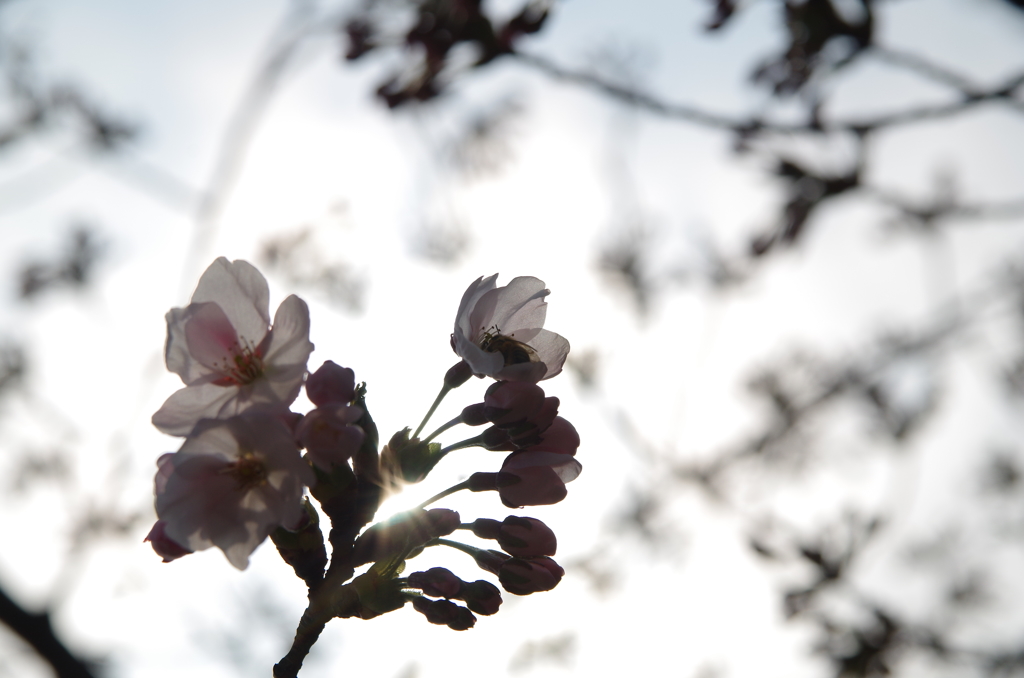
(437, 401)
(454, 422)
(464, 485)
(465, 548)
(475, 441)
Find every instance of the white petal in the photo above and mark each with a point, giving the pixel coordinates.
(521, 305)
(176, 353)
(477, 289)
(179, 413)
(479, 360)
(552, 349)
(242, 292)
(289, 340)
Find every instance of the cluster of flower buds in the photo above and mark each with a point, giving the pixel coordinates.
(249, 465)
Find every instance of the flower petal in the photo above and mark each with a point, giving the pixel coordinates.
(477, 289)
(242, 292)
(210, 336)
(521, 305)
(289, 341)
(186, 406)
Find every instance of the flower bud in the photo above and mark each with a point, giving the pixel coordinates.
(523, 576)
(474, 415)
(481, 596)
(165, 547)
(497, 439)
(437, 582)
(509, 403)
(445, 613)
(330, 435)
(458, 374)
(542, 478)
(331, 384)
(490, 560)
(523, 537)
(530, 431)
(560, 437)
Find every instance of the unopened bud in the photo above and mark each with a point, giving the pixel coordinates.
(458, 374)
(481, 597)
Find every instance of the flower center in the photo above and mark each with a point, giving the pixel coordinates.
(249, 471)
(243, 366)
(514, 352)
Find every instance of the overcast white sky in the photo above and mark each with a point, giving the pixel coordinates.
(326, 153)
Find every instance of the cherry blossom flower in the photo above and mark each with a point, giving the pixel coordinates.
(231, 484)
(224, 349)
(499, 331)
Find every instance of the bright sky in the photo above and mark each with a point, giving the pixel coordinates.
(180, 69)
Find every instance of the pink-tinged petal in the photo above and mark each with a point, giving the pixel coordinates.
(242, 292)
(210, 336)
(165, 547)
(289, 343)
(521, 305)
(477, 289)
(179, 413)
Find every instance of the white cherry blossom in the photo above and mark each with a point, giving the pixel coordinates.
(224, 349)
(231, 484)
(499, 331)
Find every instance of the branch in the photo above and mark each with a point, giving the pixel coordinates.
(36, 630)
(652, 104)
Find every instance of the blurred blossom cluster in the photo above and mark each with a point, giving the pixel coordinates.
(248, 461)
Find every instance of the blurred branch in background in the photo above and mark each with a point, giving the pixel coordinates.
(897, 385)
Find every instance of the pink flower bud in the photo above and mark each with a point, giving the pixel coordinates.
(523, 576)
(165, 547)
(481, 597)
(474, 415)
(330, 435)
(542, 478)
(437, 582)
(490, 561)
(519, 536)
(331, 384)
(511, 402)
(459, 373)
(445, 613)
(560, 437)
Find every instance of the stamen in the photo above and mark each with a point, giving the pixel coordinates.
(249, 471)
(244, 366)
